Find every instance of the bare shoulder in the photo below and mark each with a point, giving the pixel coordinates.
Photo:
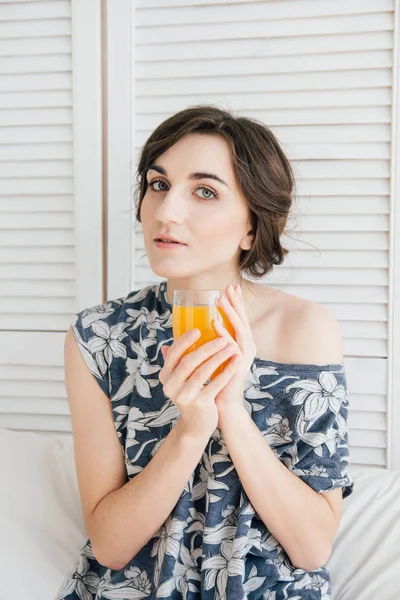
(310, 332)
(291, 329)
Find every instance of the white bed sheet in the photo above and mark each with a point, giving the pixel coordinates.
(42, 528)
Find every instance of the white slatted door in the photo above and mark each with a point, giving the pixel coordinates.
(50, 210)
(320, 75)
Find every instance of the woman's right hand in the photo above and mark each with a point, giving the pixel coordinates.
(183, 380)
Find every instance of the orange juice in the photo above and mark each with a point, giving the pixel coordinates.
(185, 318)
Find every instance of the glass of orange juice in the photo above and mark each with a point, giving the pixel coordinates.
(198, 309)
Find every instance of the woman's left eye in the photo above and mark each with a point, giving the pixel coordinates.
(213, 194)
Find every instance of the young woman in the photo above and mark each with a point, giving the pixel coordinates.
(231, 490)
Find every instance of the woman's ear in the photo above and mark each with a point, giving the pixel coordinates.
(247, 240)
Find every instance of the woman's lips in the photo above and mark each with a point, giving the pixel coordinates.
(169, 245)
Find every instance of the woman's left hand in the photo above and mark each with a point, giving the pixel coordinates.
(230, 397)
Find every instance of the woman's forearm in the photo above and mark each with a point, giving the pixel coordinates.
(126, 519)
(299, 517)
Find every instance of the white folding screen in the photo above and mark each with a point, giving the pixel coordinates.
(50, 199)
(320, 73)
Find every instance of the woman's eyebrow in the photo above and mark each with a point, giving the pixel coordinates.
(197, 175)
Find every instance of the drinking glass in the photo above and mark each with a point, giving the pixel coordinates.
(198, 309)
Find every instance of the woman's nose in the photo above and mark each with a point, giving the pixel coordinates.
(171, 207)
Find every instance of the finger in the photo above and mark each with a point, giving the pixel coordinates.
(221, 330)
(178, 377)
(234, 318)
(174, 353)
(217, 384)
(194, 359)
(204, 372)
(236, 300)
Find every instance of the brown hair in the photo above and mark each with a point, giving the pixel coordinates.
(263, 173)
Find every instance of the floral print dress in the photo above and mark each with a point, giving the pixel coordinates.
(213, 544)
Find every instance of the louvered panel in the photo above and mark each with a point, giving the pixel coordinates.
(246, 27)
(37, 116)
(37, 254)
(37, 134)
(342, 205)
(374, 78)
(47, 45)
(343, 186)
(365, 403)
(44, 307)
(37, 260)
(319, 150)
(24, 1)
(14, 405)
(317, 276)
(271, 47)
(372, 439)
(39, 288)
(368, 457)
(34, 151)
(28, 348)
(36, 422)
(362, 330)
(35, 272)
(266, 100)
(351, 223)
(36, 204)
(34, 312)
(327, 293)
(306, 116)
(33, 64)
(59, 9)
(35, 28)
(32, 319)
(36, 220)
(32, 387)
(328, 240)
(42, 199)
(255, 9)
(337, 258)
(366, 347)
(357, 169)
(369, 59)
(37, 237)
(20, 372)
(364, 312)
(367, 420)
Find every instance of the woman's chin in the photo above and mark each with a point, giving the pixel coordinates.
(168, 272)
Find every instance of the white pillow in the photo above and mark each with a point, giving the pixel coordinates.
(365, 559)
(42, 528)
(41, 521)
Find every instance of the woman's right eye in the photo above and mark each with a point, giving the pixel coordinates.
(157, 181)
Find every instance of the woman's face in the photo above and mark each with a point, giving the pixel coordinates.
(211, 217)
